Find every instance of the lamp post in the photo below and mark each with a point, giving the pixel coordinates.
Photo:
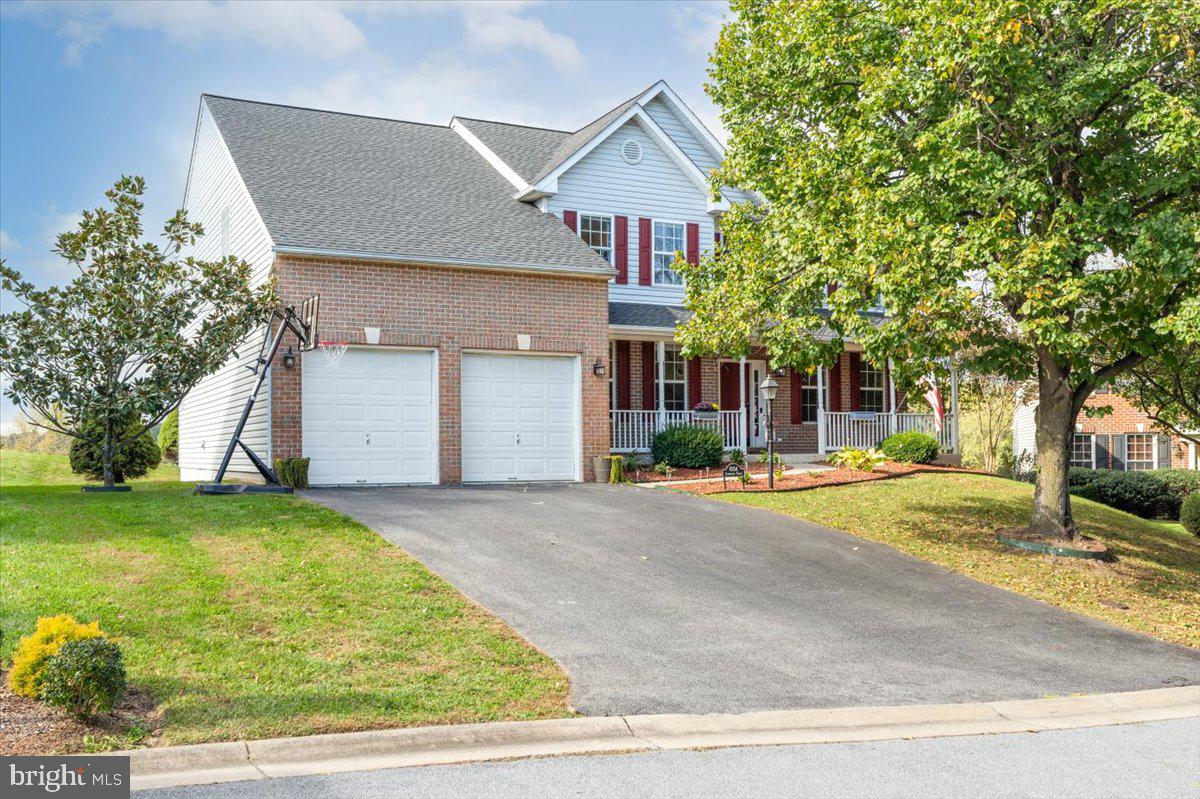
(768, 388)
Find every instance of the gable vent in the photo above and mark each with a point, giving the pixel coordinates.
(631, 151)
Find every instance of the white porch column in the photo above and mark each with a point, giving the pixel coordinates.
(821, 432)
(954, 407)
(744, 425)
(891, 399)
(660, 355)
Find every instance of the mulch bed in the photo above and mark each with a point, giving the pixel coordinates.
(30, 727)
(648, 475)
(809, 480)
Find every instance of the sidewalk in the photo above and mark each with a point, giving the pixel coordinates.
(358, 751)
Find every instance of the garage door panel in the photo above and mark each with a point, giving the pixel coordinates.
(371, 420)
(530, 399)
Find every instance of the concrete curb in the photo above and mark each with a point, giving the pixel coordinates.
(465, 743)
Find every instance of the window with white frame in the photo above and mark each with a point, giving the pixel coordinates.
(1139, 452)
(668, 239)
(809, 398)
(597, 233)
(1083, 449)
(870, 387)
(674, 379)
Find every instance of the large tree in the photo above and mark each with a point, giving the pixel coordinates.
(1017, 181)
(131, 333)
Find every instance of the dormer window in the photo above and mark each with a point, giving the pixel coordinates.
(668, 240)
(596, 230)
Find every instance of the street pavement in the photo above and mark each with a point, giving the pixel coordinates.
(1146, 761)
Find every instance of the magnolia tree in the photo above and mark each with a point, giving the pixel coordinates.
(131, 334)
(1017, 181)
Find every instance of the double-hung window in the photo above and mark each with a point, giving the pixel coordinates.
(674, 379)
(1083, 450)
(668, 239)
(809, 398)
(870, 387)
(597, 232)
(1139, 452)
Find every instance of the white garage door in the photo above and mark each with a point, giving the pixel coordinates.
(520, 418)
(371, 419)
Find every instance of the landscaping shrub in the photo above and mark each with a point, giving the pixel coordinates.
(911, 447)
(84, 677)
(34, 651)
(134, 458)
(1189, 513)
(688, 447)
(168, 437)
(292, 471)
(862, 460)
(1158, 493)
(1139, 493)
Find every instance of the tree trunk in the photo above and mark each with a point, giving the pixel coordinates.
(108, 454)
(1055, 426)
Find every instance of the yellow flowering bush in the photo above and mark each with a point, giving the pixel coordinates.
(34, 651)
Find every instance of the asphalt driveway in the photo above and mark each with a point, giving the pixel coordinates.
(657, 602)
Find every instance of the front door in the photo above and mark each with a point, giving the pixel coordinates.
(731, 392)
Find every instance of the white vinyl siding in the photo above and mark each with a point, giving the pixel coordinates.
(1023, 429)
(655, 189)
(217, 198)
(681, 133)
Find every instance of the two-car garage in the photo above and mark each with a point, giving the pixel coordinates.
(374, 418)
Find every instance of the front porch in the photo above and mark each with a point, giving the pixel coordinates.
(853, 404)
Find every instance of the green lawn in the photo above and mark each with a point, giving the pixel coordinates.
(36, 468)
(951, 519)
(250, 617)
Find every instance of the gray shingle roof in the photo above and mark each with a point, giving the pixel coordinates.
(525, 149)
(331, 181)
(640, 314)
(534, 153)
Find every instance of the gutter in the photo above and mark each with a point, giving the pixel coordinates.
(464, 263)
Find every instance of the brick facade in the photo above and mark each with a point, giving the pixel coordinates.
(448, 309)
(1125, 419)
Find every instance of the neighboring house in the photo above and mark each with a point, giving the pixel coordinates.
(519, 281)
(1125, 439)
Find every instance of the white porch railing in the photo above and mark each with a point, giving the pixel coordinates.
(864, 430)
(632, 431)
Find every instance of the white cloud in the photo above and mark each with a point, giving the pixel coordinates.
(699, 24)
(7, 242)
(496, 27)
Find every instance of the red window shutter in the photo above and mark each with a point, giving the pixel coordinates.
(649, 366)
(645, 236)
(855, 381)
(571, 220)
(624, 385)
(621, 236)
(835, 386)
(693, 243)
(797, 396)
(693, 381)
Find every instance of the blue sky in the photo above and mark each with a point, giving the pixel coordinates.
(89, 91)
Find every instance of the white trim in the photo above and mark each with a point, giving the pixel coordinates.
(625, 331)
(549, 184)
(424, 260)
(653, 252)
(673, 100)
(488, 154)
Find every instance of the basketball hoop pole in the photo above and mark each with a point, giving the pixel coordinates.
(288, 320)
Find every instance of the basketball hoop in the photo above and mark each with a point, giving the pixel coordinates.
(333, 352)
